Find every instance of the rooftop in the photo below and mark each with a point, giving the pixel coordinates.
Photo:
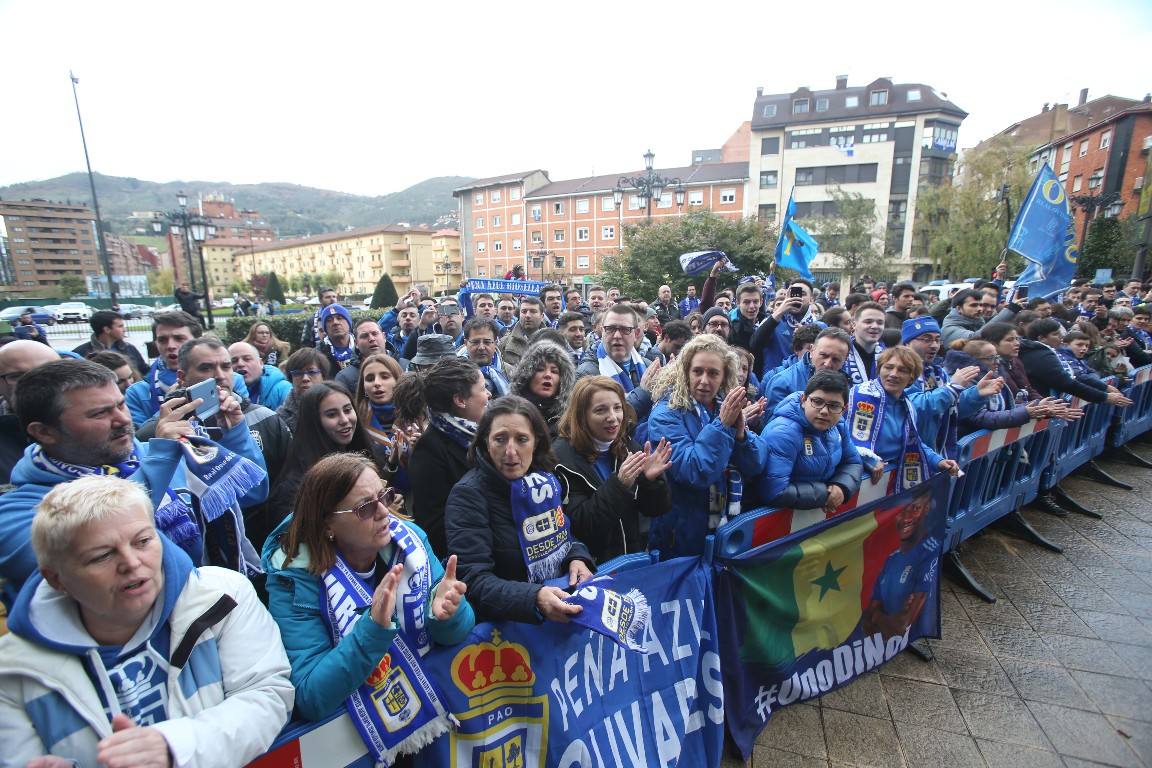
(774, 110)
(705, 173)
(496, 181)
(348, 234)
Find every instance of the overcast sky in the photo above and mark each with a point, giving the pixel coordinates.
(373, 97)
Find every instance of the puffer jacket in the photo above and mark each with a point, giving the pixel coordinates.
(803, 460)
(785, 381)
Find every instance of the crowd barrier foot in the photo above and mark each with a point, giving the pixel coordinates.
(1069, 503)
(1125, 454)
(1046, 502)
(959, 572)
(921, 650)
(1093, 471)
(1015, 524)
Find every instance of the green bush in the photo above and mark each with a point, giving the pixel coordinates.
(286, 327)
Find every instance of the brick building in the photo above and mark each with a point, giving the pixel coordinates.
(47, 240)
(229, 228)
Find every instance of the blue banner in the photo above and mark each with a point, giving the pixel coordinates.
(795, 249)
(558, 695)
(514, 287)
(819, 607)
(1044, 235)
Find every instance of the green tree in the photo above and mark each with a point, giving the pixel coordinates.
(272, 290)
(1110, 244)
(652, 255)
(332, 279)
(963, 228)
(385, 294)
(852, 234)
(161, 282)
(71, 285)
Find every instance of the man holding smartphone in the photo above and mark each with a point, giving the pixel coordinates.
(772, 341)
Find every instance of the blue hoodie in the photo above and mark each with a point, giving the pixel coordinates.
(803, 460)
(273, 389)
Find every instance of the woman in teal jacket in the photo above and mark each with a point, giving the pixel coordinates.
(359, 596)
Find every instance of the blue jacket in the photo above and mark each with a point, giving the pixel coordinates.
(803, 461)
(932, 408)
(787, 380)
(700, 454)
(324, 676)
(274, 388)
(890, 443)
(688, 305)
(140, 405)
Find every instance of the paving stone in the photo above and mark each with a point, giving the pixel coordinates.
(1009, 642)
(1085, 653)
(908, 665)
(997, 754)
(1138, 658)
(795, 729)
(1085, 735)
(767, 757)
(1122, 696)
(999, 612)
(961, 633)
(861, 740)
(1053, 618)
(1048, 683)
(931, 748)
(1117, 627)
(1138, 735)
(864, 696)
(926, 704)
(1000, 718)
(974, 672)
(1136, 603)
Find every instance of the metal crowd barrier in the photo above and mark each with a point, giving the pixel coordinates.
(1136, 419)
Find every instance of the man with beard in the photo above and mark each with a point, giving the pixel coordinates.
(771, 342)
(513, 344)
(407, 318)
(369, 341)
(337, 344)
(716, 322)
(616, 356)
(552, 297)
(903, 294)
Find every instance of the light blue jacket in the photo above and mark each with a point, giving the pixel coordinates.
(274, 388)
(140, 404)
(803, 461)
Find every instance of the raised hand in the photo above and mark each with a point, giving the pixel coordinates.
(657, 460)
(173, 422)
(989, 385)
(965, 376)
(630, 469)
(384, 598)
(449, 593)
(732, 409)
(649, 374)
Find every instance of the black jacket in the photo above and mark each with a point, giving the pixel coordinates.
(605, 515)
(1048, 375)
(436, 464)
(483, 536)
(123, 347)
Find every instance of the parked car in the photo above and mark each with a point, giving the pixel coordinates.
(136, 311)
(73, 312)
(42, 315)
(313, 302)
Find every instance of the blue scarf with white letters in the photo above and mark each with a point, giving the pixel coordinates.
(544, 531)
(622, 617)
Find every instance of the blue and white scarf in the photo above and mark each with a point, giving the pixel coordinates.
(613, 370)
(854, 363)
(544, 530)
(622, 617)
(397, 710)
(161, 379)
(342, 355)
(866, 405)
(1074, 366)
(460, 431)
(493, 373)
(173, 517)
(724, 501)
(934, 377)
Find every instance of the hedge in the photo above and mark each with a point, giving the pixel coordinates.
(286, 327)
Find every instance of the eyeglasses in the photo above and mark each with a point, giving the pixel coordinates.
(623, 330)
(367, 510)
(821, 404)
(481, 342)
(714, 323)
(306, 372)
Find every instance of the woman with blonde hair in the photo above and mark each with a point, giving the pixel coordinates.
(702, 413)
(612, 487)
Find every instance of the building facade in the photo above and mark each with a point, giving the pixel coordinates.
(882, 140)
(228, 227)
(411, 256)
(48, 240)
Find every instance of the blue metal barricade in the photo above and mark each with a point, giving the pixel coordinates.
(1078, 442)
(1136, 419)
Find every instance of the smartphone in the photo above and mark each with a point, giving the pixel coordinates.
(796, 293)
(206, 391)
(1021, 292)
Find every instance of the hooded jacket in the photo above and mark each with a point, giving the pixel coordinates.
(273, 390)
(512, 346)
(802, 461)
(227, 683)
(535, 356)
(140, 404)
(958, 326)
(325, 675)
(786, 380)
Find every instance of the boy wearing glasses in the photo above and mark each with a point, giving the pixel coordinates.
(812, 462)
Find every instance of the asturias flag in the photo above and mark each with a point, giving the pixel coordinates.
(795, 249)
(1043, 234)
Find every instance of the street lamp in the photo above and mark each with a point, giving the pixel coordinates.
(1090, 204)
(193, 228)
(95, 203)
(649, 186)
(540, 259)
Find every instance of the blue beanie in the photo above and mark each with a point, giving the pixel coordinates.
(332, 310)
(918, 326)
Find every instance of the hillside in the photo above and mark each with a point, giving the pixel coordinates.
(291, 209)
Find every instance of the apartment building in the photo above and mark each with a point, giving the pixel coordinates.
(47, 240)
(410, 255)
(227, 225)
(882, 140)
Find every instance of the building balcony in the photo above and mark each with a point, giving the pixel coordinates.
(377, 264)
(399, 247)
(402, 279)
(401, 263)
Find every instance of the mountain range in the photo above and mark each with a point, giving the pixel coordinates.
(291, 210)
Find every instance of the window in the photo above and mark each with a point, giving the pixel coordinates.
(535, 213)
(803, 176)
(558, 208)
(479, 199)
(581, 262)
(495, 221)
(607, 203)
(696, 197)
(495, 196)
(582, 205)
(479, 222)
(1096, 180)
(727, 196)
(514, 193)
(875, 138)
(608, 232)
(877, 98)
(821, 105)
(481, 247)
(851, 102)
(634, 203)
(770, 146)
(537, 237)
(798, 144)
(843, 140)
(516, 244)
(1077, 183)
(515, 220)
(480, 272)
(1083, 147)
(665, 200)
(1105, 139)
(799, 106)
(582, 234)
(1066, 158)
(913, 94)
(558, 235)
(769, 110)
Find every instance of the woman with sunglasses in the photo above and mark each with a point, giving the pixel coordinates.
(359, 595)
(812, 462)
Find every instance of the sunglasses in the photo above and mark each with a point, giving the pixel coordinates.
(367, 510)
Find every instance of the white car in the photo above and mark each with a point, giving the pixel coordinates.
(73, 312)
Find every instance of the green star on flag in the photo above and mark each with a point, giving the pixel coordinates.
(830, 579)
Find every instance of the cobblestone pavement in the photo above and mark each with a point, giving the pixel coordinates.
(1057, 672)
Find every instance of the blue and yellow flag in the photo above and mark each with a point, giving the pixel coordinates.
(1043, 234)
(795, 249)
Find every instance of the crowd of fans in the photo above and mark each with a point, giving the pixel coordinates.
(183, 571)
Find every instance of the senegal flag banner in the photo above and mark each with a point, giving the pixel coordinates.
(820, 606)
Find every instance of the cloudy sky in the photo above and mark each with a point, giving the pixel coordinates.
(370, 97)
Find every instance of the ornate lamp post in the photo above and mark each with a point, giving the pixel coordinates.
(1090, 204)
(649, 186)
(194, 229)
